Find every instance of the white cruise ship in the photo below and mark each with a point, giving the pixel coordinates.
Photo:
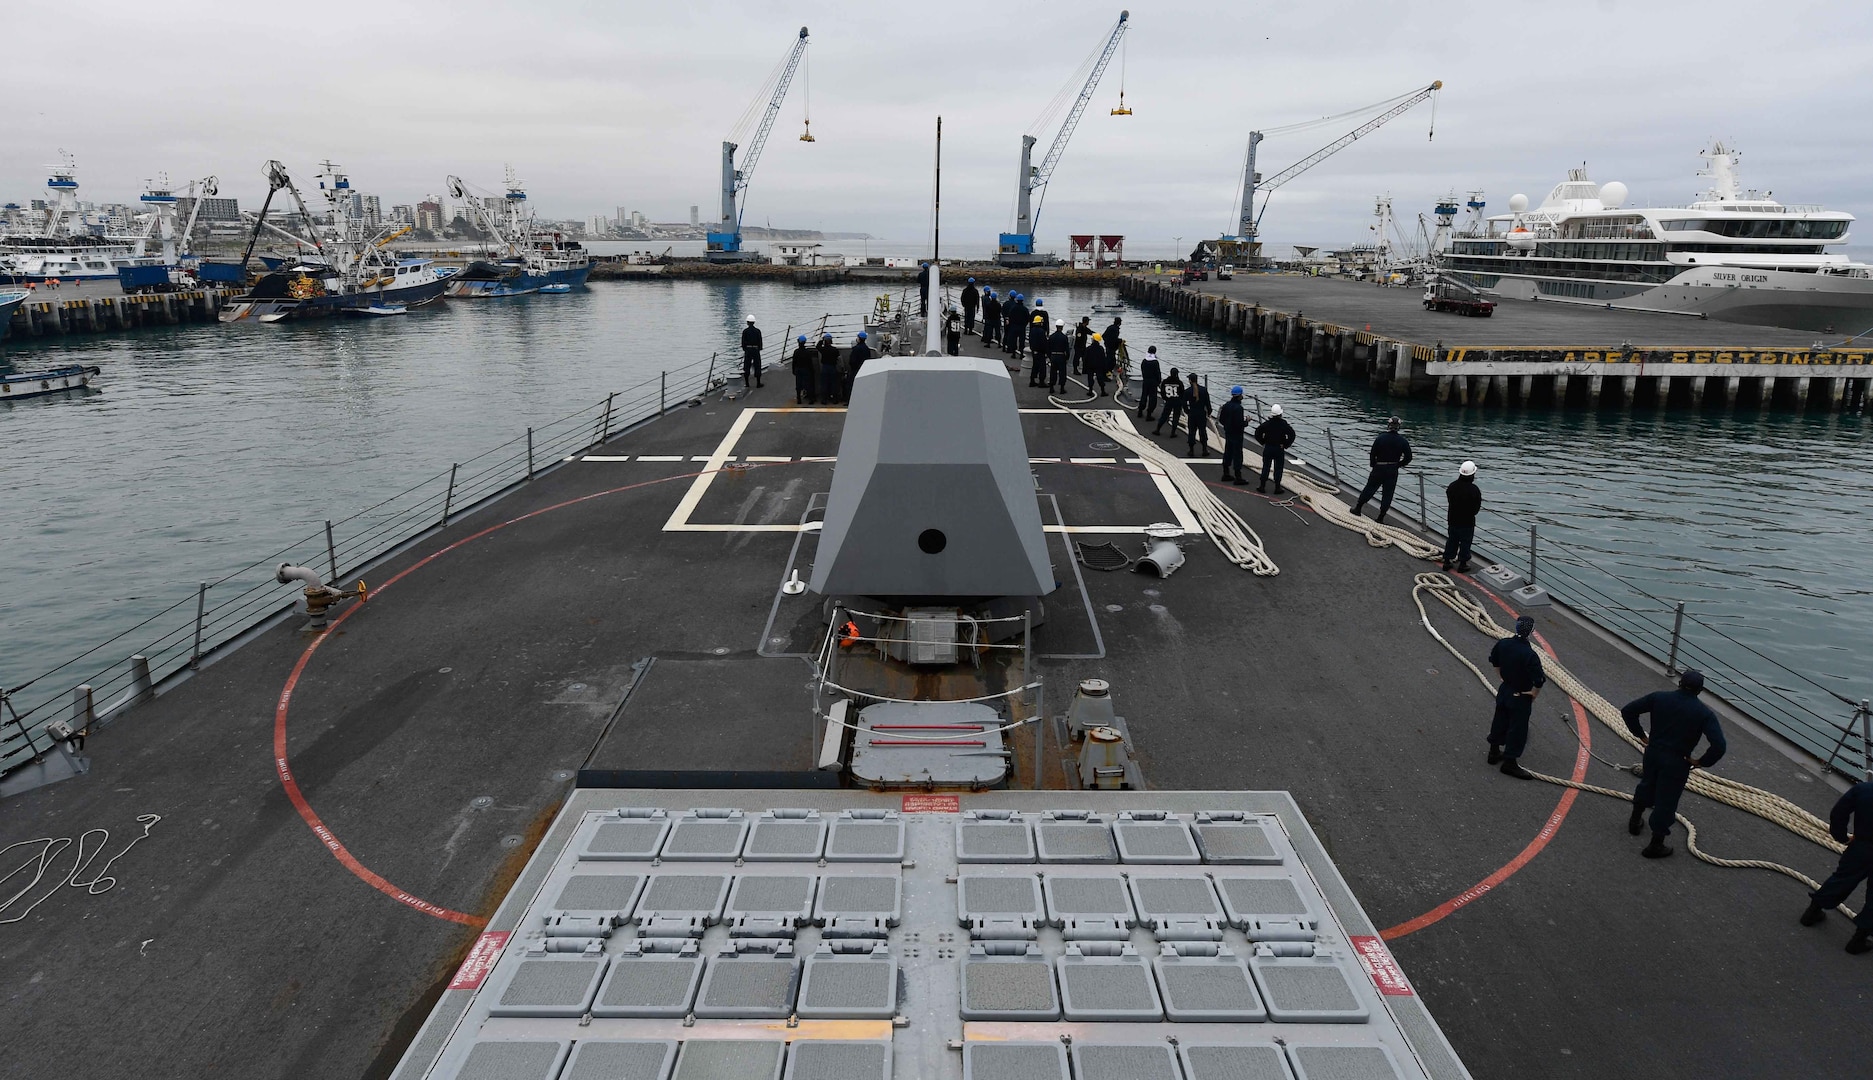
(1733, 255)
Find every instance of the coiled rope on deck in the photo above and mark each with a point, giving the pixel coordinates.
(1232, 536)
(1764, 804)
(41, 863)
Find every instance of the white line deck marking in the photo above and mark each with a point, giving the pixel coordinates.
(679, 518)
(1094, 461)
(766, 458)
(828, 459)
(602, 457)
(655, 457)
(1186, 520)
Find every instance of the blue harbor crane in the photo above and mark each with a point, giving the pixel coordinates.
(725, 240)
(1249, 221)
(1017, 247)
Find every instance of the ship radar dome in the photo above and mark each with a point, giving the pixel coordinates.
(1612, 195)
(1518, 202)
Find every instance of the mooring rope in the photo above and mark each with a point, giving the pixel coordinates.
(1231, 534)
(98, 884)
(1764, 804)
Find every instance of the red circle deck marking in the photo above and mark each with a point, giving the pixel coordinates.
(1534, 847)
(284, 769)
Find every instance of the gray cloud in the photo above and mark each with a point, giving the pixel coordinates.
(606, 105)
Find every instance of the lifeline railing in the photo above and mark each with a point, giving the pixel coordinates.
(90, 689)
(1667, 631)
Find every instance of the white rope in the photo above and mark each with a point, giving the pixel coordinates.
(99, 883)
(1764, 804)
(1232, 535)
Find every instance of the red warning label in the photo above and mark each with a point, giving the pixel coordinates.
(933, 804)
(1378, 962)
(480, 960)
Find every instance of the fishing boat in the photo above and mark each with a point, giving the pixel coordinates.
(29, 384)
(556, 288)
(523, 257)
(63, 243)
(341, 266)
(10, 301)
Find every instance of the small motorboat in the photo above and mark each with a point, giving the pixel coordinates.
(375, 311)
(24, 384)
(556, 288)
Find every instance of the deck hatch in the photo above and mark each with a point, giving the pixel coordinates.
(979, 896)
(828, 1059)
(1249, 898)
(651, 985)
(1238, 842)
(1251, 1061)
(1087, 839)
(1088, 897)
(845, 986)
(1008, 987)
(1163, 900)
(628, 833)
(1335, 1062)
(729, 1059)
(1014, 1061)
(876, 895)
(621, 1059)
(787, 836)
(512, 1059)
(787, 895)
(866, 839)
(546, 985)
(684, 895)
(1208, 989)
(1104, 1061)
(612, 894)
(706, 835)
(748, 987)
(1313, 989)
(990, 840)
(1164, 841)
(1113, 988)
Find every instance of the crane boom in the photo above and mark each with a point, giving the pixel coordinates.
(727, 238)
(1034, 178)
(1250, 218)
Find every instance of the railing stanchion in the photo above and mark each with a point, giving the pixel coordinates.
(1531, 554)
(331, 552)
(1333, 458)
(663, 392)
(605, 427)
(201, 605)
(529, 453)
(449, 499)
(1677, 629)
(1424, 510)
(1866, 738)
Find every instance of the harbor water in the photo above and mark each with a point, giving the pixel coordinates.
(210, 447)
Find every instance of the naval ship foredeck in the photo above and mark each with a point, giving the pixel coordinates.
(342, 815)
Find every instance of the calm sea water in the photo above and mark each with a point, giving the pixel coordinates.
(210, 447)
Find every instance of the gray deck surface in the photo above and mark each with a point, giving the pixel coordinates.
(1398, 313)
(235, 944)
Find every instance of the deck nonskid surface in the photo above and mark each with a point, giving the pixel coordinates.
(236, 943)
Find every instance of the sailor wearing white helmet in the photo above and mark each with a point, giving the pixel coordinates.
(1464, 499)
(1276, 435)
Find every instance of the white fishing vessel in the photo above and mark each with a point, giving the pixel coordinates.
(1734, 255)
(61, 243)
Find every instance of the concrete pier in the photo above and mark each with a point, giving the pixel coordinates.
(98, 309)
(1528, 350)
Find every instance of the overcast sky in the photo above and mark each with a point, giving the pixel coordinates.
(607, 105)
